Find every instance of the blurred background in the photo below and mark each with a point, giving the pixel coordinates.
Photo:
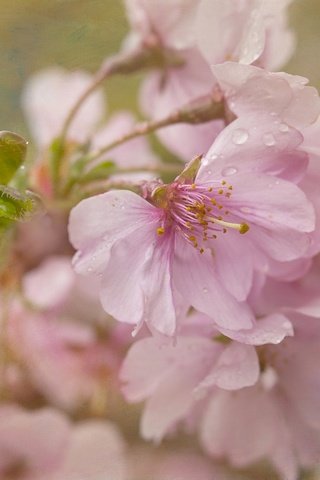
(79, 34)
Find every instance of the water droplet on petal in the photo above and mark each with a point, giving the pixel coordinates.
(89, 269)
(205, 290)
(268, 139)
(240, 136)
(273, 114)
(283, 127)
(213, 156)
(226, 172)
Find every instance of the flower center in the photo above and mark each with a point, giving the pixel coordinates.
(198, 212)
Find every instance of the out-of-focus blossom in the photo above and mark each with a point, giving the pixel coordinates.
(167, 23)
(278, 416)
(188, 233)
(58, 344)
(245, 31)
(176, 378)
(43, 444)
(47, 99)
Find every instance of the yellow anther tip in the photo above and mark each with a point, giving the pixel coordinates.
(160, 230)
(244, 227)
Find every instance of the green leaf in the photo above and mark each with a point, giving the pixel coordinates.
(13, 150)
(15, 205)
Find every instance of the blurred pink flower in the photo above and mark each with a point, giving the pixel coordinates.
(279, 417)
(245, 31)
(175, 379)
(43, 444)
(58, 343)
(47, 99)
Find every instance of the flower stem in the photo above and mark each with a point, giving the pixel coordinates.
(201, 110)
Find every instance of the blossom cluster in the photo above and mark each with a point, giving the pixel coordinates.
(184, 278)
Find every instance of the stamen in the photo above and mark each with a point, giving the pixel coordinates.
(241, 227)
(160, 230)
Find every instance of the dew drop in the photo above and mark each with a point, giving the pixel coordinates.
(213, 156)
(226, 172)
(22, 167)
(205, 290)
(240, 136)
(89, 269)
(268, 139)
(283, 127)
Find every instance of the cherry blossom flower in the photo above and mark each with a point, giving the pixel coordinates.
(42, 444)
(58, 343)
(47, 99)
(247, 31)
(189, 232)
(278, 416)
(218, 31)
(176, 379)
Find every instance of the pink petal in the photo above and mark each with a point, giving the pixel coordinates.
(198, 281)
(39, 438)
(271, 329)
(49, 284)
(145, 293)
(248, 413)
(173, 398)
(48, 97)
(97, 222)
(236, 273)
(268, 201)
(237, 367)
(96, 451)
(251, 146)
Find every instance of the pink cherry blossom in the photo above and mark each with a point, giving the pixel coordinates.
(47, 99)
(175, 379)
(179, 227)
(58, 344)
(168, 23)
(162, 93)
(286, 99)
(42, 444)
(278, 417)
(247, 31)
